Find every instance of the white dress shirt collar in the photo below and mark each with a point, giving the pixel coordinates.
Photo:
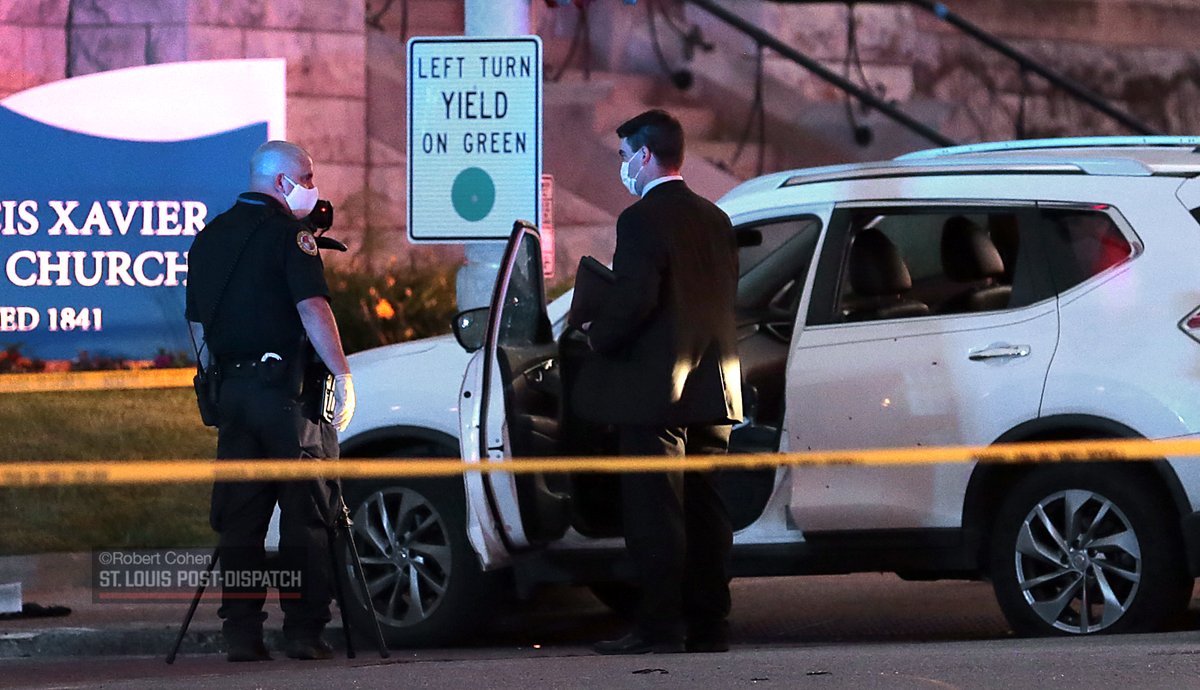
(657, 181)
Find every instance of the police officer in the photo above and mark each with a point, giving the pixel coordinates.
(257, 293)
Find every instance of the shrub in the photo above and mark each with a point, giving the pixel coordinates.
(13, 362)
(165, 359)
(88, 362)
(393, 305)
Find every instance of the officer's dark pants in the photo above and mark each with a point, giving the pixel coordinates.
(258, 422)
(678, 534)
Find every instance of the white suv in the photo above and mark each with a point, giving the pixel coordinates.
(1008, 292)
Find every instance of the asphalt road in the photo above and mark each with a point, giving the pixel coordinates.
(824, 632)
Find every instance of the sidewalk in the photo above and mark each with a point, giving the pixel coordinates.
(93, 629)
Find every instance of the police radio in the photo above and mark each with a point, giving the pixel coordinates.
(319, 220)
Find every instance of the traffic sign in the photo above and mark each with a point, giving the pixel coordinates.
(474, 136)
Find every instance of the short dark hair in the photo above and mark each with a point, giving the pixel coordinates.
(658, 131)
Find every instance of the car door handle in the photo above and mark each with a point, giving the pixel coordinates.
(1000, 352)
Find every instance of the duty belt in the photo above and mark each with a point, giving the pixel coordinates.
(249, 367)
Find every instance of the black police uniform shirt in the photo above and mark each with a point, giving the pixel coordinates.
(279, 268)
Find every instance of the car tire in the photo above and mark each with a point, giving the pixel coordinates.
(1107, 534)
(427, 587)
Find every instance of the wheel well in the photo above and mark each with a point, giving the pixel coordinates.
(401, 441)
(991, 483)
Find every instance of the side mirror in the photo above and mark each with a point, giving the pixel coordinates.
(470, 327)
(749, 237)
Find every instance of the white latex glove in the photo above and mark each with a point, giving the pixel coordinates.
(343, 401)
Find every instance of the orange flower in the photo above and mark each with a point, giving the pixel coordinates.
(384, 310)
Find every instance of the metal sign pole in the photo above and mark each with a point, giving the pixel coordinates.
(477, 276)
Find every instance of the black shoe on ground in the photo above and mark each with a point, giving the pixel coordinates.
(636, 643)
(247, 651)
(314, 649)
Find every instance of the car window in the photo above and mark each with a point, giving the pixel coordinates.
(766, 270)
(773, 272)
(1083, 243)
(523, 319)
(775, 234)
(905, 262)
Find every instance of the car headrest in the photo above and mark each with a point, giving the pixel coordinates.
(876, 267)
(968, 254)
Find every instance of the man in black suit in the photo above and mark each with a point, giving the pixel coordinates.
(667, 375)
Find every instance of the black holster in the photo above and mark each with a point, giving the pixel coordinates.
(207, 383)
(316, 397)
(315, 385)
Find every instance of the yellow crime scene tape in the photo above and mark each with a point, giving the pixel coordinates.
(178, 471)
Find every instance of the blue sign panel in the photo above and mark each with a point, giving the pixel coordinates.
(105, 179)
(94, 234)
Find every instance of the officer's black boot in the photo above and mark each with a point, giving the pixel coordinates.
(246, 647)
(309, 648)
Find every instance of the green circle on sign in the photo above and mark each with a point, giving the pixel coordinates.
(473, 194)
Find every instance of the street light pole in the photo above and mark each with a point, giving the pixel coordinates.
(478, 274)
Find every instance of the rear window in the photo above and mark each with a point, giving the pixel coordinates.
(1084, 243)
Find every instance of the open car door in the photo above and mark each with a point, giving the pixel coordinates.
(510, 406)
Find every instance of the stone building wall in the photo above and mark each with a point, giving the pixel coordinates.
(1139, 54)
(346, 71)
(33, 43)
(324, 43)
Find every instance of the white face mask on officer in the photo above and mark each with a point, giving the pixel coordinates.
(301, 200)
(630, 181)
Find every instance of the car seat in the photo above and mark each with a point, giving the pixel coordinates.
(879, 279)
(970, 257)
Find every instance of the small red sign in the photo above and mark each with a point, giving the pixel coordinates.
(547, 226)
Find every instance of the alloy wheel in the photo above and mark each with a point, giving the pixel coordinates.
(404, 546)
(1078, 561)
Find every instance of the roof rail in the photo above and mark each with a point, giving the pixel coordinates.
(1060, 143)
(861, 171)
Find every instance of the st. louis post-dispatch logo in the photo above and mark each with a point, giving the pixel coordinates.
(168, 575)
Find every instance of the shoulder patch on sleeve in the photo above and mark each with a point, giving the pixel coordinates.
(306, 242)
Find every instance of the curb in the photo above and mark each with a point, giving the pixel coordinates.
(69, 642)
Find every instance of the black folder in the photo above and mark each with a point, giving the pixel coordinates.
(593, 280)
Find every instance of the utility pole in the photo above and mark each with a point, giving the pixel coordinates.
(478, 275)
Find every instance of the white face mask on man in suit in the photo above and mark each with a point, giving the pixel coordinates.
(630, 181)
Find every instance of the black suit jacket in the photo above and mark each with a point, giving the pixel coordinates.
(665, 339)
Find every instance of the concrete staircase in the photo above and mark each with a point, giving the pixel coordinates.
(597, 106)
(582, 112)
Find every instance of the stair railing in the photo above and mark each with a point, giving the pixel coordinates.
(1025, 63)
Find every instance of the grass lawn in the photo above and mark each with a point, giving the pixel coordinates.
(103, 425)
